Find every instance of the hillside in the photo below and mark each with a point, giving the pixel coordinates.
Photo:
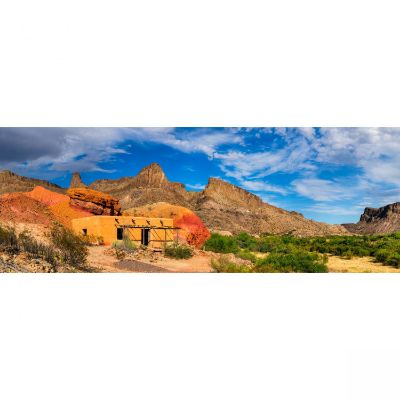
(149, 186)
(11, 183)
(377, 220)
(221, 205)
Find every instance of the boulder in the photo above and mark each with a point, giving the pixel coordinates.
(95, 202)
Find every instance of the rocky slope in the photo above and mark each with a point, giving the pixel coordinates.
(221, 205)
(149, 186)
(11, 183)
(377, 220)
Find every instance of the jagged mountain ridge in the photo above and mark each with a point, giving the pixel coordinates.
(11, 183)
(221, 205)
(149, 186)
(385, 219)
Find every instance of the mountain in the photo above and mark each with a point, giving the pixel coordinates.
(226, 207)
(76, 181)
(149, 186)
(221, 205)
(377, 220)
(10, 183)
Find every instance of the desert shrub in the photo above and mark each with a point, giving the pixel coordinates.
(224, 264)
(179, 251)
(298, 261)
(30, 245)
(222, 244)
(72, 248)
(8, 239)
(92, 240)
(126, 244)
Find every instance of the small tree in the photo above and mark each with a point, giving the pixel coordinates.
(73, 250)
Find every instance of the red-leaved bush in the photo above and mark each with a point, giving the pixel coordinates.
(197, 233)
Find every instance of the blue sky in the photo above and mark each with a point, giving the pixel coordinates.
(328, 174)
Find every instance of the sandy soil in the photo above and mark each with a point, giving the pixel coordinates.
(100, 260)
(363, 264)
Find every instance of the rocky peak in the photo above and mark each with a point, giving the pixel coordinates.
(76, 181)
(375, 214)
(385, 219)
(151, 176)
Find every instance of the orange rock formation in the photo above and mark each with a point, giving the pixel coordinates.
(94, 202)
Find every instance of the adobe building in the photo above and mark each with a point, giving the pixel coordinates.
(152, 232)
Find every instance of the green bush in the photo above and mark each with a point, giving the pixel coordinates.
(179, 251)
(221, 244)
(384, 248)
(245, 241)
(72, 248)
(223, 264)
(298, 261)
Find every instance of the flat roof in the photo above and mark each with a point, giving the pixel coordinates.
(123, 217)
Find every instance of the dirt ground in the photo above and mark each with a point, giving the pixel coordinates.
(101, 260)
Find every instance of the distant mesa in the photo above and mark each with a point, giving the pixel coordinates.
(377, 220)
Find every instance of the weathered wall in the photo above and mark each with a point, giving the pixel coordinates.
(106, 227)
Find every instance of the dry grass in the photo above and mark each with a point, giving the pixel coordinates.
(358, 264)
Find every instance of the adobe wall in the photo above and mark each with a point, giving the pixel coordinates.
(106, 227)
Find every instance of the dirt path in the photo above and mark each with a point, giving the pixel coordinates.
(138, 266)
(101, 261)
(357, 264)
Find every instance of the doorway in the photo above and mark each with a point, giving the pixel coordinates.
(145, 236)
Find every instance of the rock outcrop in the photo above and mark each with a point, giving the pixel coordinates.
(12, 183)
(377, 220)
(76, 181)
(94, 202)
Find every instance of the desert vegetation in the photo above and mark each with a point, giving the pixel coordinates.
(179, 251)
(64, 252)
(288, 253)
(124, 247)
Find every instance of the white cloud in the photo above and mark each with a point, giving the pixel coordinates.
(330, 209)
(260, 186)
(322, 189)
